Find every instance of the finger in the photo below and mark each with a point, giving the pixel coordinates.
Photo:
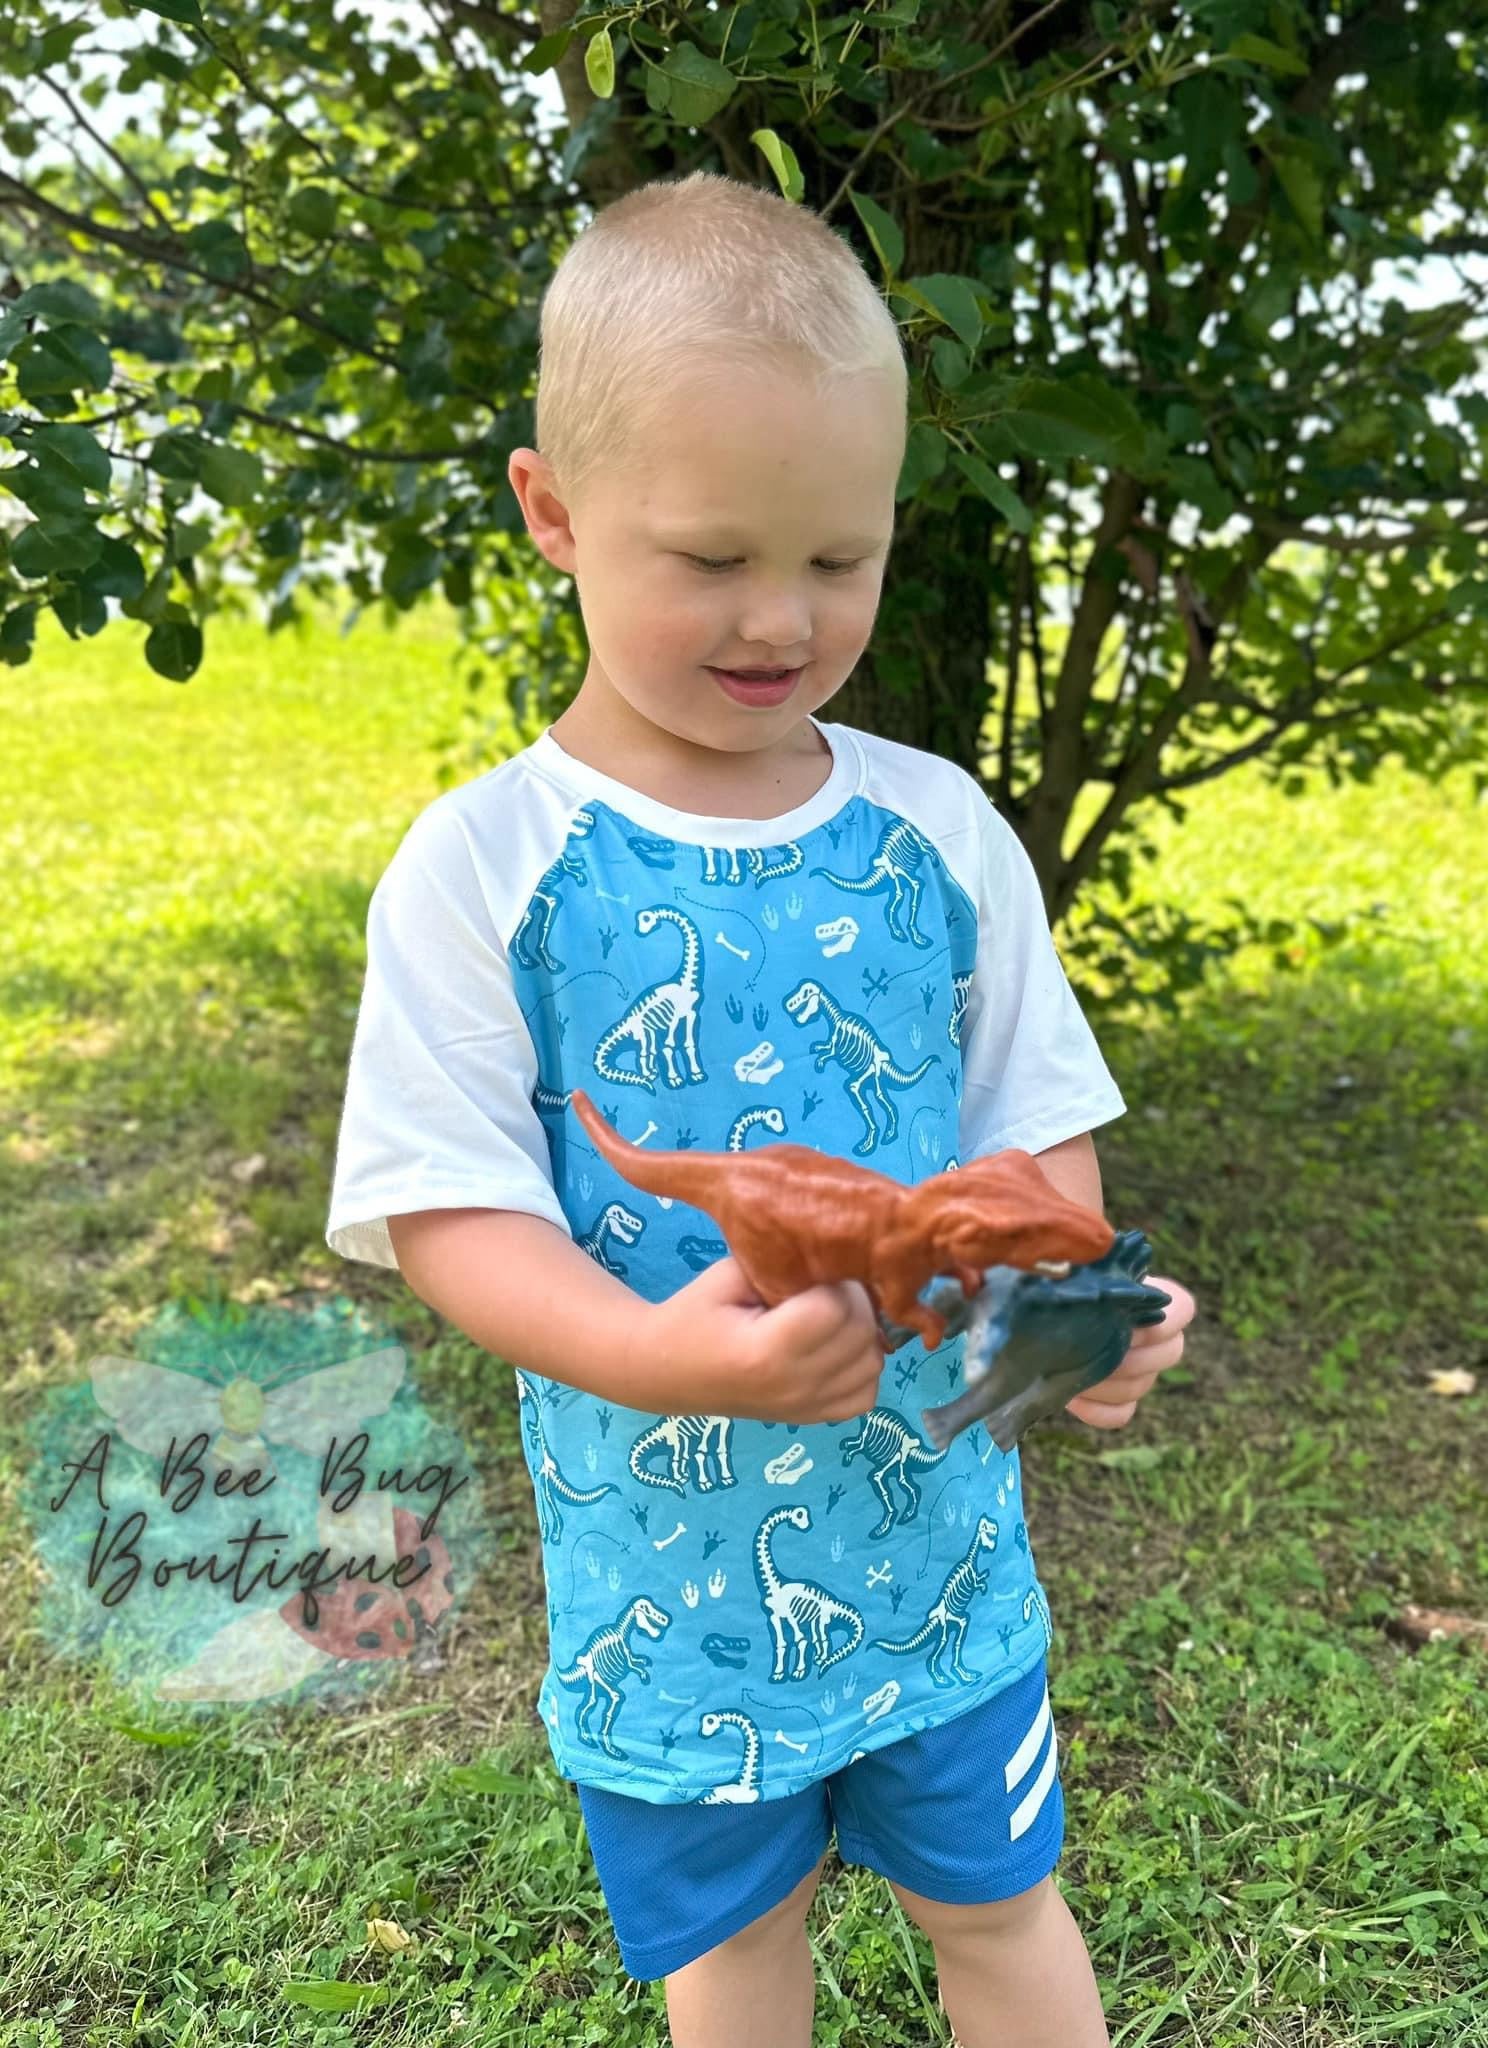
(1128, 1383)
(1125, 1396)
(1153, 1357)
(824, 1328)
(1181, 1310)
(1103, 1417)
(814, 1314)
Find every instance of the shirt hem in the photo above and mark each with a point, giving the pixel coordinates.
(1039, 1133)
(367, 1238)
(580, 1771)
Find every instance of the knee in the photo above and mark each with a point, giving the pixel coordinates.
(951, 1926)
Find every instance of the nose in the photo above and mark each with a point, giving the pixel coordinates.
(778, 618)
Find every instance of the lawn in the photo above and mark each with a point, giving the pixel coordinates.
(1277, 1822)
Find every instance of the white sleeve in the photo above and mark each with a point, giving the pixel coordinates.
(438, 1109)
(1032, 1073)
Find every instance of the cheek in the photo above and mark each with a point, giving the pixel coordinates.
(682, 625)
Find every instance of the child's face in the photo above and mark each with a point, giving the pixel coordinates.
(752, 470)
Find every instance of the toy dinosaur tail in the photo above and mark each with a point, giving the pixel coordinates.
(687, 1175)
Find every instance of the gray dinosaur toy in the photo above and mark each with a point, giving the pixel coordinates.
(1035, 1340)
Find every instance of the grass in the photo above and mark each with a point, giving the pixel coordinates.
(1277, 1812)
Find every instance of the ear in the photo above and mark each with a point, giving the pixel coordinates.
(531, 477)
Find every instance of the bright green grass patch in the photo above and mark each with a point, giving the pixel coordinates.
(1277, 1816)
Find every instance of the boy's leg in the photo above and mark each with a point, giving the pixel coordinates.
(1016, 1974)
(758, 1985)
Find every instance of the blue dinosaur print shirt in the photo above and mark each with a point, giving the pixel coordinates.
(736, 1608)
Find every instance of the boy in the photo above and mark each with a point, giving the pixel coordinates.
(772, 1606)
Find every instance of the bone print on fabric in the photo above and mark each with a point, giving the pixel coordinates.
(735, 1608)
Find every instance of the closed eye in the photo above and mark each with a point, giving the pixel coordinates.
(831, 568)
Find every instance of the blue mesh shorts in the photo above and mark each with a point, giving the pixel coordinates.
(964, 1813)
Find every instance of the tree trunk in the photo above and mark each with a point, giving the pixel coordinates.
(922, 679)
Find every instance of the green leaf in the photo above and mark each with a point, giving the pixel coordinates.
(457, 582)
(332, 1994)
(1260, 50)
(60, 548)
(427, 362)
(280, 538)
(599, 64)
(62, 359)
(188, 537)
(80, 609)
(60, 301)
(925, 453)
(312, 211)
(1081, 415)
(233, 476)
(698, 87)
(956, 301)
(17, 632)
(214, 384)
(782, 161)
(218, 247)
(49, 494)
(1302, 181)
(1198, 483)
(1135, 1457)
(118, 572)
(545, 53)
(951, 363)
(992, 487)
(153, 601)
(485, 1778)
(883, 231)
(174, 646)
(178, 454)
(187, 12)
(413, 563)
(73, 452)
(163, 1738)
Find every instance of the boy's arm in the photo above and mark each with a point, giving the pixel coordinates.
(1073, 1170)
(1030, 1061)
(519, 1287)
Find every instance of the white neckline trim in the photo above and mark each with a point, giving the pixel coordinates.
(699, 828)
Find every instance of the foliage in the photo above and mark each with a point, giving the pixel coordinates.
(1180, 492)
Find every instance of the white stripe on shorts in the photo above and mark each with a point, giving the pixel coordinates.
(1026, 1812)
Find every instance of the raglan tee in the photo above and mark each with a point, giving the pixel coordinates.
(736, 1608)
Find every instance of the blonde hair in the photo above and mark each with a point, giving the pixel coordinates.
(691, 274)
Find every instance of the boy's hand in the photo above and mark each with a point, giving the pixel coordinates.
(1112, 1402)
(713, 1348)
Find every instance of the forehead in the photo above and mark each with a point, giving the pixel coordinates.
(731, 456)
(727, 528)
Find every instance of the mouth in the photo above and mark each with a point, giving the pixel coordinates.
(763, 687)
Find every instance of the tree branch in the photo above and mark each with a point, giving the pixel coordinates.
(1363, 543)
(1189, 778)
(356, 449)
(149, 249)
(108, 148)
(480, 17)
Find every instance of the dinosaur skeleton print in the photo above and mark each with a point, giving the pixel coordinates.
(735, 1608)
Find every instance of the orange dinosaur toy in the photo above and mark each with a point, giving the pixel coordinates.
(794, 1217)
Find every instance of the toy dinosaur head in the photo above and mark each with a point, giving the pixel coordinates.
(1002, 1211)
